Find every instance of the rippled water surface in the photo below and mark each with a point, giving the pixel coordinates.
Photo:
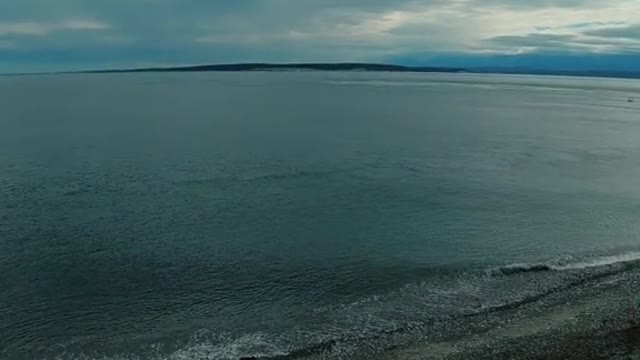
(221, 216)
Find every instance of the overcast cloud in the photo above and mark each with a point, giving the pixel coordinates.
(70, 34)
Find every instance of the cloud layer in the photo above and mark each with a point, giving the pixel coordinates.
(37, 34)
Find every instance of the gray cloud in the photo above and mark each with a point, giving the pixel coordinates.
(180, 18)
(547, 42)
(588, 24)
(537, 4)
(533, 40)
(620, 32)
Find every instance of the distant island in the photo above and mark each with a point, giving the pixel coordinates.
(355, 66)
(291, 67)
(352, 66)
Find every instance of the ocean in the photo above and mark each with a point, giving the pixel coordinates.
(295, 215)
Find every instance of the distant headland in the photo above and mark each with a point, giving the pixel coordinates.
(376, 67)
(290, 67)
(354, 67)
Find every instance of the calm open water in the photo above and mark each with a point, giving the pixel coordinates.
(221, 216)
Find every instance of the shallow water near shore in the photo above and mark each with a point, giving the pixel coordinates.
(313, 215)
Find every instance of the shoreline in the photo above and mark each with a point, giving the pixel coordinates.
(603, 322)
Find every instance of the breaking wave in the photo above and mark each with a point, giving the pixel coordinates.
(604, 261)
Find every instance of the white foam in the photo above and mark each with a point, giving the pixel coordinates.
(565, 266)
(254, 345)
(598, 262)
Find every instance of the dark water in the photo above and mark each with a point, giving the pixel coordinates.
(221, 216)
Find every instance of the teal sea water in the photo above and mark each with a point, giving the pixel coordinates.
(292, 215)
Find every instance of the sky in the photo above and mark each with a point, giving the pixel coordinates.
(51, 35)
